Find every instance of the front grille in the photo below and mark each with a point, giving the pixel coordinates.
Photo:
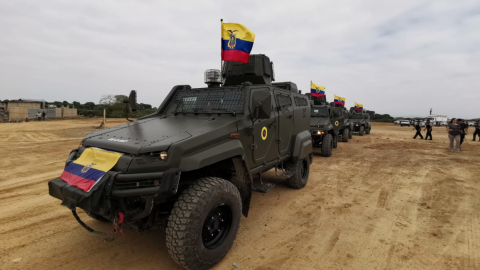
(136, 184)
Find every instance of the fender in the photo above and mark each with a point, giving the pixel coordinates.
(208, 156)
(302, 145)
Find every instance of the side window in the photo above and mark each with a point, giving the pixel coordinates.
(262, 100)
(301, 101)
(284, 102)
(335, 113)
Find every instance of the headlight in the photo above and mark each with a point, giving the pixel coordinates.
(163, 155)
(357, 125)
(319, 132)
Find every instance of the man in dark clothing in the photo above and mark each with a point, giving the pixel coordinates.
(419, 129)
(43, 116)
(477, 130)
(463, 129)
(428, 128)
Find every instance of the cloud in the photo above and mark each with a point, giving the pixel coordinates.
(400, 58)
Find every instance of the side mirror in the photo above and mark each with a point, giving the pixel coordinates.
(261, 106)
(131, 101)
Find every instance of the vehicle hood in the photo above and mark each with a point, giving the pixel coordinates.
(318, 122)
(152, 134)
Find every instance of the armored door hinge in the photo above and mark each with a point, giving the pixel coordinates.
(254, 146)
(279, 140)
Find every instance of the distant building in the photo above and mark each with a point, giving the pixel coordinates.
(25, 103)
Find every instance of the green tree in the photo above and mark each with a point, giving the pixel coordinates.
(120, 98)
(89, 105)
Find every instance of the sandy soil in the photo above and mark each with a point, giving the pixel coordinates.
(382, 201)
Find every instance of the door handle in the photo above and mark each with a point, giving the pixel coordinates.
(290, 116)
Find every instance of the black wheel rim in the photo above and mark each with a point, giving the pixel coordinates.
(304, 169)
(216, 226)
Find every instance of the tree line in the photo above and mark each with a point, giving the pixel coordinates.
(113, 105)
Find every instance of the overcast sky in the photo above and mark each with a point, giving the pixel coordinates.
(397, 57)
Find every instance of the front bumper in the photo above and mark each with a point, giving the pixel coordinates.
(114, 187)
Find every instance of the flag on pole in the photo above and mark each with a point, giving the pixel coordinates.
(237, 42)
(339, 100)
(358, 106)
(317, 90)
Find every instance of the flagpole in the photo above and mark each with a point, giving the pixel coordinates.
(221, 47)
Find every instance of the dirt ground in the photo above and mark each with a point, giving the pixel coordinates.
(382, 201)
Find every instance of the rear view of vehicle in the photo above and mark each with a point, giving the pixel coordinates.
(404, 123)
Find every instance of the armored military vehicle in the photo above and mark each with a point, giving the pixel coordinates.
(193, 164)
(328, 125)
(342, 122)
(361, 121)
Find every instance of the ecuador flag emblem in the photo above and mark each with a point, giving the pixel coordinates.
(339, 100)
(237, 42)
(316, 90)
(89, 168)
(358, 106)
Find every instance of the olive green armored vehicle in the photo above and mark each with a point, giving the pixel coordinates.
(328, 124)
(193, 164)
(361, 121)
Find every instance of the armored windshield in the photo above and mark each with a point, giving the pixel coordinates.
(319, 112)
(356, 116)
(209, 100)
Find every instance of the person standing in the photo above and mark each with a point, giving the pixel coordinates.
(39, 116)
(428, 128)
(454, 132)
(477, 130)
(43, 116)
(463, 129)
(419, 130)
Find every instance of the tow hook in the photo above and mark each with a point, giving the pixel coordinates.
(118, 222)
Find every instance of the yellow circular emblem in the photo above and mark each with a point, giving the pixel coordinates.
(264, 133)
(336, 123)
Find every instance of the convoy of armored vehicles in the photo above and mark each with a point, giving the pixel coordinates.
(329, 124)
(191, 167)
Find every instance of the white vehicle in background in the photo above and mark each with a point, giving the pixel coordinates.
(396, 122)
(437, 120)
(404, 123)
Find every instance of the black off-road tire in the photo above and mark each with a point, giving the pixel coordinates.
(97, 217)
(361, 131)
(187, 223)
(350, 134)
(299, 173)
(335, 141)
(327, 145)
(345, 135)
(367, 131)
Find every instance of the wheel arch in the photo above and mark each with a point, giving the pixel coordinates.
(302, 145)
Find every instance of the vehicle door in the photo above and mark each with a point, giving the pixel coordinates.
(285, 119)
(336, 119)
(264, 130)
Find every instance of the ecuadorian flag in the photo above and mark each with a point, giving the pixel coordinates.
(339, 100)
(358, 106)
(237, 42)
(89, 168)
(317, 90)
